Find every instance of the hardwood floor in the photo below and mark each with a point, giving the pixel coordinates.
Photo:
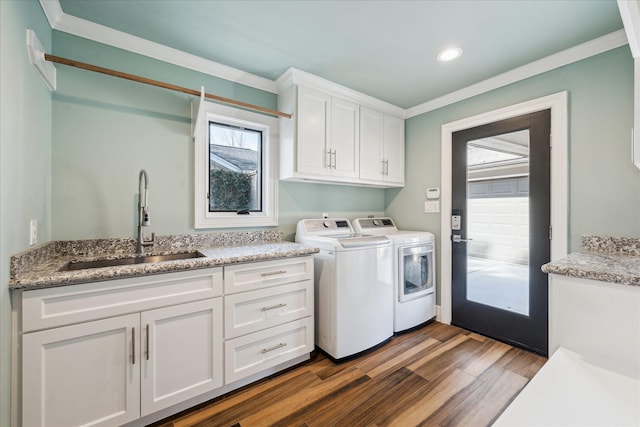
(438, 375)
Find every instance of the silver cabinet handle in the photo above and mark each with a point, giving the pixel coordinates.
(333, 159)
(133, 346)
(327, 160)
(275, 347)
(386, 167)
(273, 307)
(148, 349)
(457, 239)
(382, 166)
(273, 273)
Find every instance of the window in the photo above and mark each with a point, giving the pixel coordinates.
(235, 179)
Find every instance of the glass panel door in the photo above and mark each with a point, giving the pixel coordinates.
(498, 221)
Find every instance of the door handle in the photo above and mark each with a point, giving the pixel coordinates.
(148, 349)
(457, 239)
(133, 346)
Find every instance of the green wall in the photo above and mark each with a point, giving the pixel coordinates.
(71, 159)
(604, 186)
(25, 158)
(106, 129)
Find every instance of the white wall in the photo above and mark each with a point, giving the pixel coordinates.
(25, 158)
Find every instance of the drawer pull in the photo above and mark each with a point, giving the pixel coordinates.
(275, 347)
(273, 273)
(273, 307)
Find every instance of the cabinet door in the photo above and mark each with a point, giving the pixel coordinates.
(181, 353)
(393, 147)
(85, 374)
(344, 144)
(371, 134)
(314, 110)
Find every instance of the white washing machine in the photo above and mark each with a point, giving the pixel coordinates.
(353, 286)
(413, 271)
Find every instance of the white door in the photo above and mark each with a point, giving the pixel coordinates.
(393, 141)
(314, 111)
(345, 144)
(85, 374)
(371, 134)
(181, 353)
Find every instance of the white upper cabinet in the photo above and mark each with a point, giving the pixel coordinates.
(393, 150)
(345, 141)
(324, 141)
(381, 148)
(371, 126)
(327, 135)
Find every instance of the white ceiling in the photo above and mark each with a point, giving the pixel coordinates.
(386, 49)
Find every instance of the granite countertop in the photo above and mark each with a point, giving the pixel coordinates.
(607, 259)
(43, 266)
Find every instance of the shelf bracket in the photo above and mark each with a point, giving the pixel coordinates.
(46, 70)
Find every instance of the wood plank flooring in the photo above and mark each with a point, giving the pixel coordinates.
(438, 375)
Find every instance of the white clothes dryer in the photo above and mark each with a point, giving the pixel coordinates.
(413, 271)
(353, 286)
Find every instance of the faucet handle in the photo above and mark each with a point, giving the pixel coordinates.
(149, 241)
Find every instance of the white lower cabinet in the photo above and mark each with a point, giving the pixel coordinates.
(112, 371)
(108, 353)
(181, 353)
(268, 309)
(82, 374)
(249, 312)
(250, 354)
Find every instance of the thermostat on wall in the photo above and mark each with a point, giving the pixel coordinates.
(433, 193)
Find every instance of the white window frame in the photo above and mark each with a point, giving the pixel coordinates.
(211, 112)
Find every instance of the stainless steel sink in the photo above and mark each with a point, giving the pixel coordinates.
(141, 259)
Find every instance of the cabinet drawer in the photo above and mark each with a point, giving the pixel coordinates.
(257, 275)
(253, 311)
(250, 354)
(46, 308)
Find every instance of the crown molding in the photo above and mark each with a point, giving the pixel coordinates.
(60, 21)
(630, 14)
(296, 76)
(557, 60)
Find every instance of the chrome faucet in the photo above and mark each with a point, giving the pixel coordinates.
(143, 214)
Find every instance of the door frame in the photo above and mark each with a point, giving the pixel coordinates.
(557, 103)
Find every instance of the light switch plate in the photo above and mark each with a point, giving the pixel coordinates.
(432, 207)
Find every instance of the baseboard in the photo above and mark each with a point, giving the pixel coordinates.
(438, 314)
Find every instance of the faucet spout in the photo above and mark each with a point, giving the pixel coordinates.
(143, 213)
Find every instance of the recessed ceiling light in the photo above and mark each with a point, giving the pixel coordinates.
(449, 54)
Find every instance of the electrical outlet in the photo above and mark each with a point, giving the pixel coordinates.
(33, 233)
